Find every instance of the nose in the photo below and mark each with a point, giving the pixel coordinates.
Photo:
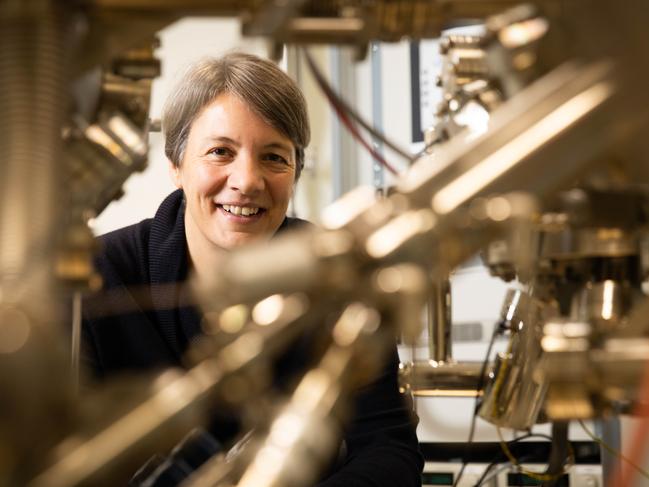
(246, 175)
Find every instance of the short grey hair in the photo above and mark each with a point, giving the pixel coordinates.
(258, 82)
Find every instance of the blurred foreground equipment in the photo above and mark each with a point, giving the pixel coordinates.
(553, 191)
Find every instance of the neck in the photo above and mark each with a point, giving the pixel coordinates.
(204, 257)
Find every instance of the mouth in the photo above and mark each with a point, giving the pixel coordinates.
(250, 212)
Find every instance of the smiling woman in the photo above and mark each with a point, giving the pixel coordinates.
(265, 89)
(235, 131)
(237, 174)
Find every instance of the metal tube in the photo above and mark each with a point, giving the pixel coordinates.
(441, 380)
(540, 125)
(343, 174)
(75, 362)
(440, 341)
(316, 407)
(32, 80)
(178, 404)
(609, 430)
(34, 374)
(378, 173)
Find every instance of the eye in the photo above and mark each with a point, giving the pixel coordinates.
(276, 158)
(220, 152)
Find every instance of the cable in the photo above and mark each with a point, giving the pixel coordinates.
(357, 135)
(343, 115)
(559, 448)
(544, 477)
(344, 112)
(476, 407)
(339, 101)
(612, 450)
(484, 477)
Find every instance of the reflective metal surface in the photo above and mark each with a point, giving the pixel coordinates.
(446, 379)
(565, 97)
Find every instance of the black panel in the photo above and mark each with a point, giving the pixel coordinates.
(415, 93)
(586, 452)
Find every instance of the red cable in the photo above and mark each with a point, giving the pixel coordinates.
(356, 134)
(340, 112)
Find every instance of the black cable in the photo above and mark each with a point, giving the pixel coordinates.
(341, 107)
(559, 453)
(498, 458)
(476, 407)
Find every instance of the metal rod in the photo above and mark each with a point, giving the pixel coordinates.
(172, 409)
(609, 431)
(344, 174)
(378, 177)
(439, 322)
(76, 340)
(441, 380)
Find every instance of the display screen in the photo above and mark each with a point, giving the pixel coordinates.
(437, 478)
(522, 480)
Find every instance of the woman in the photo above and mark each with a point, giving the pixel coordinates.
(235, 130)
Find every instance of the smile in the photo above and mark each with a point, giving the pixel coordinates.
(241, 210)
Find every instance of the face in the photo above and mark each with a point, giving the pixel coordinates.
(237, 174)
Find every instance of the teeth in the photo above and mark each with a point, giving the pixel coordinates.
(249, 211)
(240, 210)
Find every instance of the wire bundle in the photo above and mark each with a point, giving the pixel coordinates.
(349, 118)
(483, 370)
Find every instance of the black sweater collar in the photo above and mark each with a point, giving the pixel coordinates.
(169, 267)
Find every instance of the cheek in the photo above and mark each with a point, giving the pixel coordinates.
(205, 179)
(282, 188)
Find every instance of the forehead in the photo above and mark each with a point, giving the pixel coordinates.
(229, 116)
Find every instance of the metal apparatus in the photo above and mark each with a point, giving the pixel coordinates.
(558, 120)
(589, 271)
(514, 394)
(579, 258)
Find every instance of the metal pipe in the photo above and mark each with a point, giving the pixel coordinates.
(32, 77)
(317, 405)
(609, 430)
(378, 173)
(541, 124)
(440, 341)
(430, 378)
(344, 175)
(178, 404)
(34, 369)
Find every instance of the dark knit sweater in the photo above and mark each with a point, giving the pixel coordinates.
(136, 324)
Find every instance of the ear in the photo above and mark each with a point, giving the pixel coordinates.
(174, 174)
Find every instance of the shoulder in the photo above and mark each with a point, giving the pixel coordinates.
(124, 254)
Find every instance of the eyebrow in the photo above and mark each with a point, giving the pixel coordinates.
(228, 140)
(277, 145)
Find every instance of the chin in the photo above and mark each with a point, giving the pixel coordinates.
(237, 241)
